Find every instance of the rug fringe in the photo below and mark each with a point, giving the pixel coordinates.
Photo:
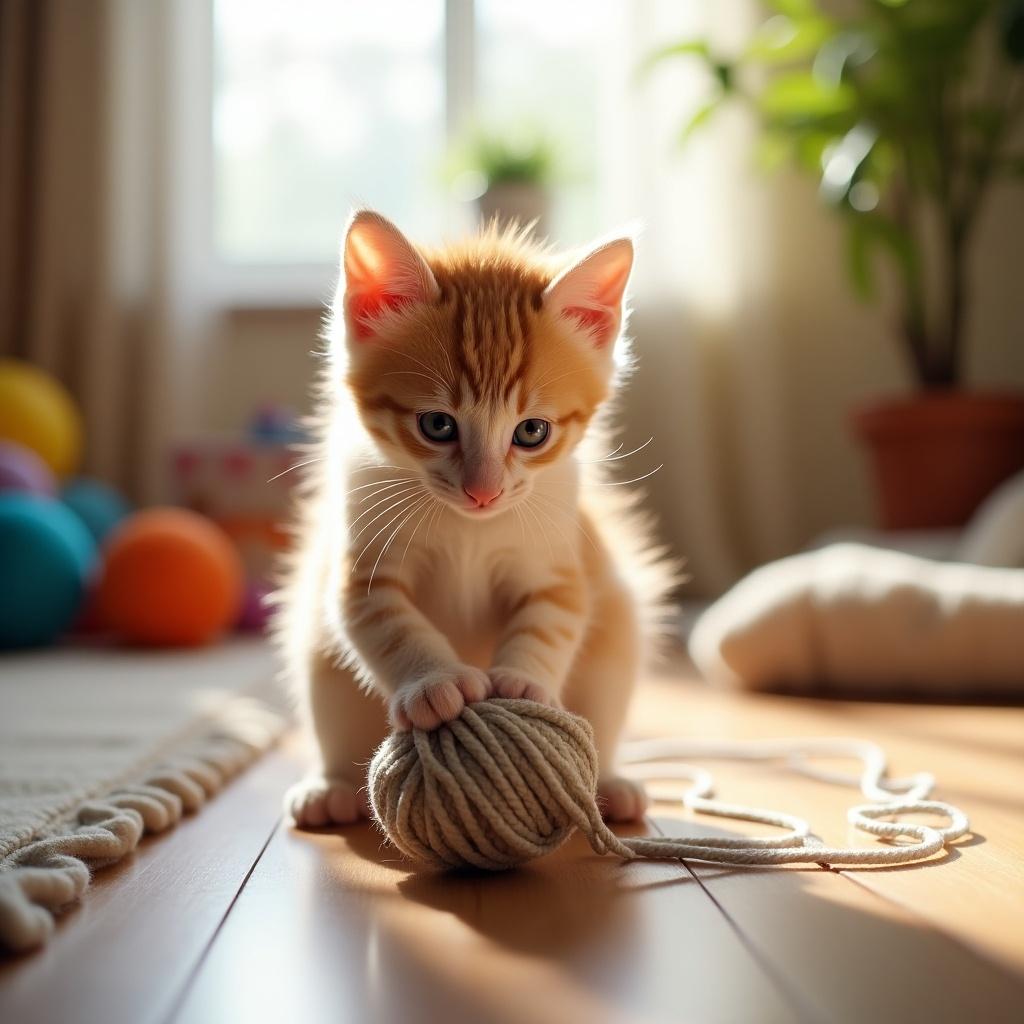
(41, 878)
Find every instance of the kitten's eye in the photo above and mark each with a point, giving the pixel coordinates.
(531, 433)
(438, 427)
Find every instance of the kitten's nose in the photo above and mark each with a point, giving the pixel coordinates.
(482, 494)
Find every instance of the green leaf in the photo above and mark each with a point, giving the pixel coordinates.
(801, 96)
(783, 39)
(701, 117)
(810, 149)
(687, 48)
(724, 75)
(793, 8)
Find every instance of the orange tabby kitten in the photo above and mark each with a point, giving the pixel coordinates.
(452, 545)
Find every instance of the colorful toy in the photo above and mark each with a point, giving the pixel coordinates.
(254, 614)
(100, 507)
(22, 470)
(36, 411)
(171, 578)
(46, 558)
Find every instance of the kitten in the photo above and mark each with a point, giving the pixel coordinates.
(452, 545)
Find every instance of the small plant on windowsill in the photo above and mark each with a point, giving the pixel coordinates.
(907, 112)
(509, 174)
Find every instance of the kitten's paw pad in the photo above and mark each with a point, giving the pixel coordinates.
(621, 799)
(511, 683)
(438, 697)
(317, 801)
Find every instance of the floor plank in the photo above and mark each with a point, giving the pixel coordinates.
(975, 892)
(331, 926)
(848, 955)
(125, 953)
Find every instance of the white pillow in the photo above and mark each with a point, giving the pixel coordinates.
(995, 534)
(865, 620)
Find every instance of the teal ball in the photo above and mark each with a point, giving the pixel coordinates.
(47, 557)
(100, 507)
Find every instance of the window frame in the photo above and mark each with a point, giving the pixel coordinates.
(288, 285)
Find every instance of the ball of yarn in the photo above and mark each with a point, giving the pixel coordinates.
(37, 411)
(171, 578)
(46, 559)
(22, 470)
(504, 783)
(98, 505)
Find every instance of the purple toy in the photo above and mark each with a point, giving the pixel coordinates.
(254, 613)
(22, 470)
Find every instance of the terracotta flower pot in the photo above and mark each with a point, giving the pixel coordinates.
(937, 456)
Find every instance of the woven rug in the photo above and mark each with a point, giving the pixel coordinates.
(98, 747)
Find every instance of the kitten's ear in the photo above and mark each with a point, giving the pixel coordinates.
(590, 292)
(382, 270)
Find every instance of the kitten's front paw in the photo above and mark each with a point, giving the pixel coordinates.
(621, 799)
(319, 800)
(438, 697)
(510, 682)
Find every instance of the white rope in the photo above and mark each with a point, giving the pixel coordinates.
(510, 780)
(659, 761)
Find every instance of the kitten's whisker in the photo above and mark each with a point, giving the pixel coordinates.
(619, 448)
(425, 513)
(547, 513)
(370, 542)
(374, 483)
(528, 506)
(395, 504)
(522, 525)
(554, 380)
(623, 483)
(294, 466)
(379, 490)
(448, 362)
(398, 529)
(571, 512)
(433, 519)
(387, 497)
(419, 362)
(611, 483)
(612, 457)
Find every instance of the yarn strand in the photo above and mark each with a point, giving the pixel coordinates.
(510, 780)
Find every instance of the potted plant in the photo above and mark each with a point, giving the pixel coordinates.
(907, 112)
(509, 174)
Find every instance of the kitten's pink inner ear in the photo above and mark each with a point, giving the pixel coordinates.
(382, 271)
(590, 293)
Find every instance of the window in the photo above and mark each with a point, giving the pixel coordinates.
(319, 105)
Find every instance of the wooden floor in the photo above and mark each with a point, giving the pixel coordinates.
(236, 917)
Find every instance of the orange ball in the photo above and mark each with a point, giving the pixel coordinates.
(171, 578)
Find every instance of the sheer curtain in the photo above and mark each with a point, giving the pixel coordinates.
(94, 284)
(709, 385)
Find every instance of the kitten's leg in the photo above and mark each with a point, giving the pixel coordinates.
(411, 663)
(347, 724)
(541, 636)
(599, 688)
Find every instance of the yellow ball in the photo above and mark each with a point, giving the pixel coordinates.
(36, 411)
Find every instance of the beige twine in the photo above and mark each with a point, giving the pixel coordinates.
(509, 780)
